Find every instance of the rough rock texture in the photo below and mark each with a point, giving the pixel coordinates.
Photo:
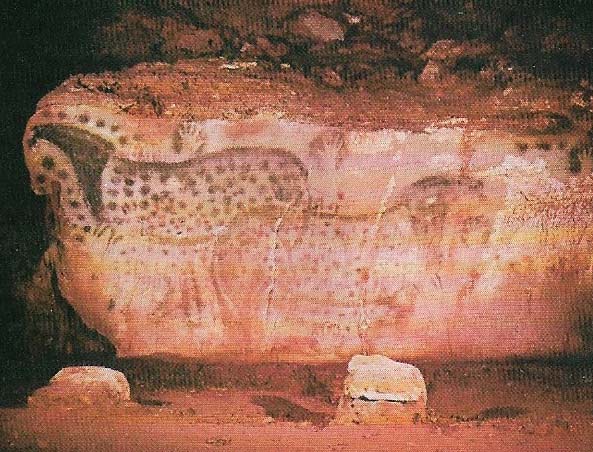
(315, 35)
(379, 390)
(207, 209)
(317, 28)
(85, 385)
(444, 55)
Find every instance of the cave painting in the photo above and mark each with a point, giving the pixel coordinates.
(272, 238)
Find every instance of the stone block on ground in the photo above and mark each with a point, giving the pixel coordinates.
(379, 390)
(82, 386)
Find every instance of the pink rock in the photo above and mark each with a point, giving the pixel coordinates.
(205, 213)
(317, 28)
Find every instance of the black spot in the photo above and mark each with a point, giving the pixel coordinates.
(48, 163)
(87, 152)
(41, 178)
(87, 229)
(129, 182)
(432, 181)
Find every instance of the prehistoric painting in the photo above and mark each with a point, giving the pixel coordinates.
(300, 225)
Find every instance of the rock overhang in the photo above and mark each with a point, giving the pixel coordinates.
(231, 218)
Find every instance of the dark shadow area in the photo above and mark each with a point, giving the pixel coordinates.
(282, 409)
(501, 412)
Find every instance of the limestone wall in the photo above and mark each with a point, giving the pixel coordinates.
(283, 232)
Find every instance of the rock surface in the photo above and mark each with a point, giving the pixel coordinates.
(211, 210)
(443, 57)
(81, 386)
(401, 31)
(379, 390)
(317, 28)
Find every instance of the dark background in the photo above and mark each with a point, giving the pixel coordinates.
(43, 42)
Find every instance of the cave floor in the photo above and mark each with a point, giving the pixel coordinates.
(472, 407)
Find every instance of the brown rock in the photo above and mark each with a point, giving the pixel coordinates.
(209, 212)
(262, 46)
(582, 99)
(442, 57)
(82, 386)
(193, 41)
(317, 28)
(433, 73)
(329, 77)
(449, 51)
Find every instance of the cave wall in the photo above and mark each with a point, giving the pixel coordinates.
(47, 42)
